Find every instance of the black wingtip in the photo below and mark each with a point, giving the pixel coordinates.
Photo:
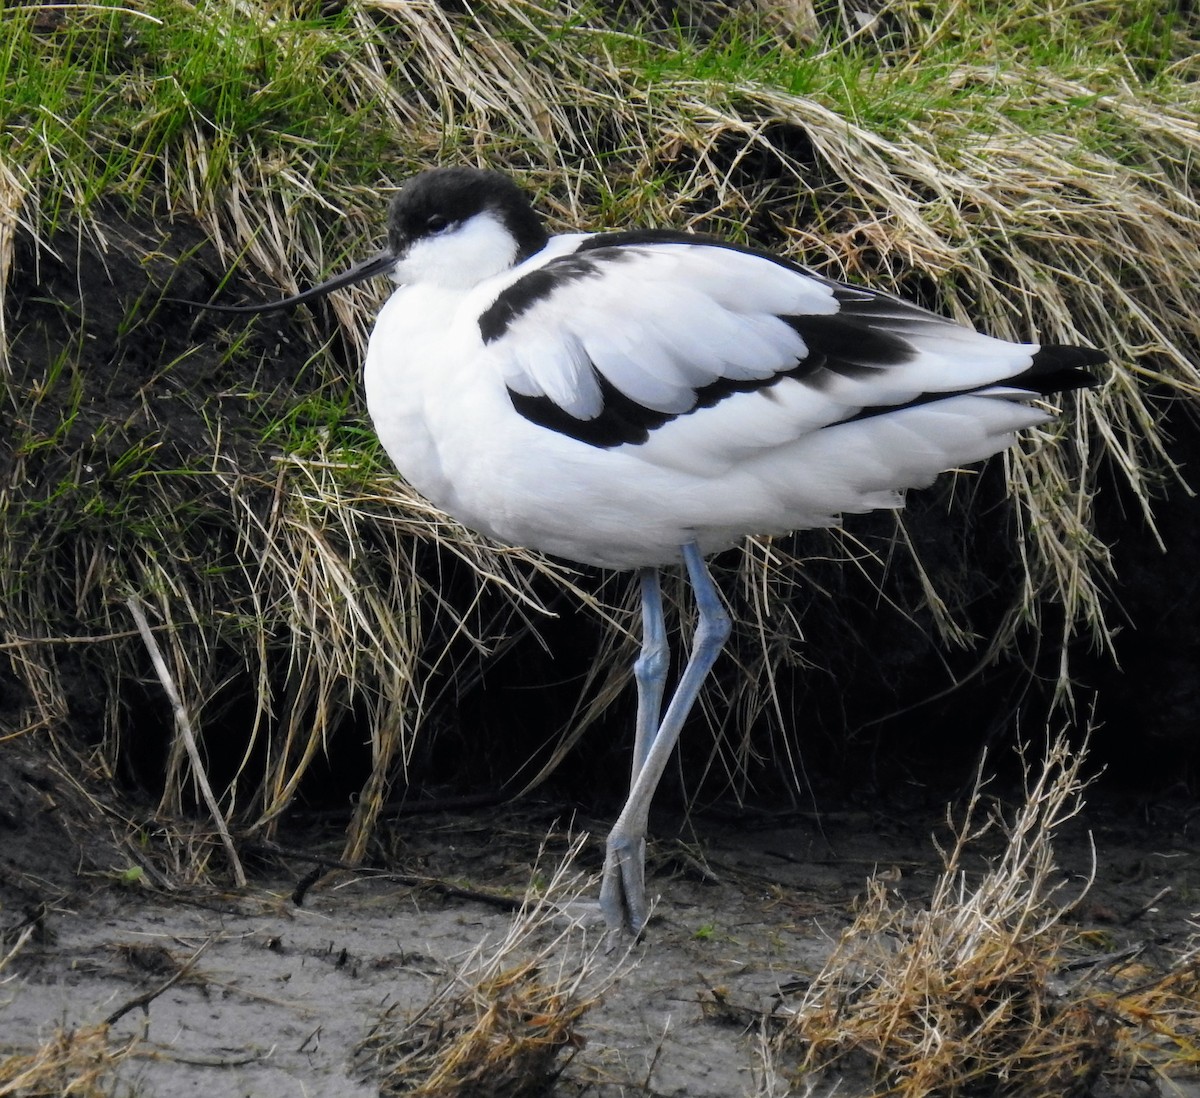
(1059, 368)
(1067, 356)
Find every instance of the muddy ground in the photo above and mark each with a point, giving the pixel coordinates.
(282, 994)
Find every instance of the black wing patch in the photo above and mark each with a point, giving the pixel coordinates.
(622, 420)
(587, 261)
(538, 285)
(837, 345)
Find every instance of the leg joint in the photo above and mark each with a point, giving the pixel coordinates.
(651, 666)
(714, 626)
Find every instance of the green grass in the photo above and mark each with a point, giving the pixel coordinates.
(1027, 166)
(112, 100)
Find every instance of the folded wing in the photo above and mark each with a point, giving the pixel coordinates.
(633, 339)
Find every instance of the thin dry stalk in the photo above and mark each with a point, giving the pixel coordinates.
(184, 724)
(14, 950)
(12, 197)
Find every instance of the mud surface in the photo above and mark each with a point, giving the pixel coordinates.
(280, 995)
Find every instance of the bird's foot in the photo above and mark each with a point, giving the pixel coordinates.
(623, 886)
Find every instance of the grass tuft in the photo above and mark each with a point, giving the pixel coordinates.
(980, 992)
(958, 998)
(503, 1020)
(81, 1062)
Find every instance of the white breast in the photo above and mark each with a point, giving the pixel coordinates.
(411, 347)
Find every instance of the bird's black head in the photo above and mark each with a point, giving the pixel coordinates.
(437, 203)
(439, 200)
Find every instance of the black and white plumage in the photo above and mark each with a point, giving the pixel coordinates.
(629, 399)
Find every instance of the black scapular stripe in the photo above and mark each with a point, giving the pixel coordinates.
(835, 347)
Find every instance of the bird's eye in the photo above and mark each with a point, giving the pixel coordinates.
(437, 224)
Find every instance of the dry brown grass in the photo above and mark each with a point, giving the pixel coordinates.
(958, 998)
(1156, 1015)
(989, 989)
(80, 1063)
(506, 1021)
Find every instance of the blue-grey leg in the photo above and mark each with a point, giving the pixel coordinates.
(650, 669)
(623, 890)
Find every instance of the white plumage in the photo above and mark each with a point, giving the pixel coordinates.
(626, 399)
